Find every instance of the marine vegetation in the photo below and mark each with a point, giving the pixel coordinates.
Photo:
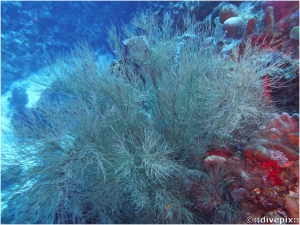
(124, 142)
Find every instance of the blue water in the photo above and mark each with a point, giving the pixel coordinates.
(32, 30)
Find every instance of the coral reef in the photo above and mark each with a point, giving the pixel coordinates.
(180, 128)
(199, 10)
(273, 26)
(266, 184)
(279, 20)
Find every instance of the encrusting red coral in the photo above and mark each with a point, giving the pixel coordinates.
(273, 169)
(272, 161)
(266, 175)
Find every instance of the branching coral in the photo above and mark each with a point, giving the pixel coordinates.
(127, 138)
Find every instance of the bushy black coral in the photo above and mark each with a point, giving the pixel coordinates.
(126, 137)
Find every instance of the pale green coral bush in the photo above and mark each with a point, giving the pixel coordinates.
(123, 144)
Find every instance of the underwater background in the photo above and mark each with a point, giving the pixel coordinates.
(149, 112)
